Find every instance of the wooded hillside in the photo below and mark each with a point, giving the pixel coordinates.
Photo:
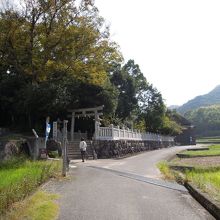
(208, 99)
(206, 120)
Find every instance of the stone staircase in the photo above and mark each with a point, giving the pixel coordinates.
(74, 151)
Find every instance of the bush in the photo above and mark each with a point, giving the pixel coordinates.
(53, 154)
(53, 146)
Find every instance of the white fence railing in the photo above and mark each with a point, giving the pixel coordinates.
(115, 133)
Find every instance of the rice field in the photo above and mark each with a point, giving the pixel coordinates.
(208, 180)
(214, 150)
(207, 140)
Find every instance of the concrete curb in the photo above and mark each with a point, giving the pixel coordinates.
(197, 149)
(181, 168)
(209, 205)
(194, 156)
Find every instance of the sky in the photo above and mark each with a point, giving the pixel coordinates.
(176, 43)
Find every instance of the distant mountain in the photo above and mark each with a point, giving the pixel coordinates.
(208, 99)
(172, 107)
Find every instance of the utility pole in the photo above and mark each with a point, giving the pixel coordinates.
(64, 147)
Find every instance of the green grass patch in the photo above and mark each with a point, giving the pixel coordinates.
(164, 168)
(214, 150)
(19, 177)
(53, 154)
(207, 179)
(40, 206)
(215, 139)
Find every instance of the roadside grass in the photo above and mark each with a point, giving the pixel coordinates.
(207, 179)
(40, 206)
(214, 150)
(164, 167)
(19, 177)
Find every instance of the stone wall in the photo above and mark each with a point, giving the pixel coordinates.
(2, 150)
(29, 146)
(10, 149)
(35, 145)
(121, 148)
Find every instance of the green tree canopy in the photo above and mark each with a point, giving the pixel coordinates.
(54, 55)
(206, 119)
(139, 102)
(57, 36)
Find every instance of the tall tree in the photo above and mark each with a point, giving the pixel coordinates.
(172, 123)
(153, 109)
(48, 36)
(138, 101)
(51, 47)
(126, 87)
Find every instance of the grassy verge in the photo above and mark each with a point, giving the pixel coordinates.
(164, 168)
(207, 179)
(214, 150)
(20, 177)
(40, 206)
(168, 173)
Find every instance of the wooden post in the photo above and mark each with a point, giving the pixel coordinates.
(72, 126)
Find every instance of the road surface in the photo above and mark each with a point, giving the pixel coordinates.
(125, 189)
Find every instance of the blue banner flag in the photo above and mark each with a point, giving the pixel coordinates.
(48, 128)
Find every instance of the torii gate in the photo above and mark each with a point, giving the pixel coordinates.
(85, 112)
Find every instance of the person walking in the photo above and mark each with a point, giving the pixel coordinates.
(82, 147)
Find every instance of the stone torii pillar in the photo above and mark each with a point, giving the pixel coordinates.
(85, 112)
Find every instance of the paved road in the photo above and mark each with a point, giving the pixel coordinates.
(126, 189)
